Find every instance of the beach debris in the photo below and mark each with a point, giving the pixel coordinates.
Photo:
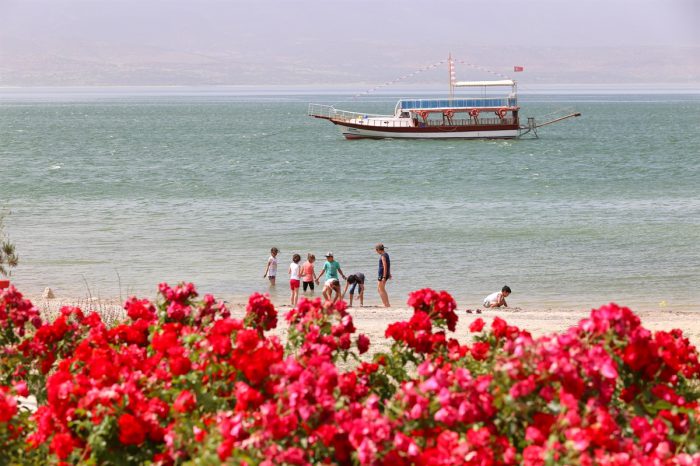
(48, 293)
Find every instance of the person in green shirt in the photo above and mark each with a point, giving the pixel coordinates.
(331, 268)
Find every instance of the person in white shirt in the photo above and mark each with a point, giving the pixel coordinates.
(332, 285)
(271, 269)
(294, 278)
(498, 298)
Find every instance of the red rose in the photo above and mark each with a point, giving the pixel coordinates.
(178, 311)
(220, 344)
(362, 343)
(477, 325)
(131, 430)
(180, 365)
(398, 331)
(61, 445)
(499, 327)
(185, 402)
(533, 455)
(140, 309)
(21, 388)
(344, 342)
(326, 433)
(479, 350)
(260, 312)
(523, 388)
(247, 340)
(368, 368)
(421, 321)
(8, 407)
(164, 340)
(247, 397)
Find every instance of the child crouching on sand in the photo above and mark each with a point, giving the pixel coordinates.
(356, 281)
(331, 285)
(294, 279)
(497, 299)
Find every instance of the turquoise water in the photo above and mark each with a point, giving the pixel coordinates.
(117, 193)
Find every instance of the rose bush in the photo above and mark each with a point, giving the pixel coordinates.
(183, 382)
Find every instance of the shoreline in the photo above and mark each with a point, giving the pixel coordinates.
(280, 298)
(373, 320)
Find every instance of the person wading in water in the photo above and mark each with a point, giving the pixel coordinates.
(384, 273)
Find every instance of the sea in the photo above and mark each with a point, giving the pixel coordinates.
(109, 192)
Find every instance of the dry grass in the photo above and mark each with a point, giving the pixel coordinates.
(112, 312)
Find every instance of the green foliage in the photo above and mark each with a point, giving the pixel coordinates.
(8, 255)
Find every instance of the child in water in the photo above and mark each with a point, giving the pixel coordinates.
(294, 279)
(271, 269)
(331, 269)
(384, 273)
(308, 274)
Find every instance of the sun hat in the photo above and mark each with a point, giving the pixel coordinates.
(329, 254)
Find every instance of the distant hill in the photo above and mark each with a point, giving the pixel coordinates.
(27, 63)
(358, 44)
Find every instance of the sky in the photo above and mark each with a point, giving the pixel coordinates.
(325, 42)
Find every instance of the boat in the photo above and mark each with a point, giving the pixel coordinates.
(491, 116)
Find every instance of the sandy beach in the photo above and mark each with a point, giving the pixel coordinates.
(373, 320)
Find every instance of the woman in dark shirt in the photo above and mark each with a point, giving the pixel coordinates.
(384, 273)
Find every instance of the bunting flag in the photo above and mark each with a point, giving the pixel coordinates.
(406, 76)
(481, 68)
(453, 78)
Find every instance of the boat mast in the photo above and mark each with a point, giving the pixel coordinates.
(451, 73)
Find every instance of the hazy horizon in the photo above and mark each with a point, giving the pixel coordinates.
(334, 43)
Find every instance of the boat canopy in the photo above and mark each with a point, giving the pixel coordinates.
(423, 104)
(503, 82)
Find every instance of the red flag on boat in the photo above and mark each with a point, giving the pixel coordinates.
(518, 68)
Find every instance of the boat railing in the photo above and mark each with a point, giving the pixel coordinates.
(328, 111)
(321, 111)
(387, 123)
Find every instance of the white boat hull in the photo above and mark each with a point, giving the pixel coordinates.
(360, 133)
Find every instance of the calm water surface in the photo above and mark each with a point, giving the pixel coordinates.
(116, 194)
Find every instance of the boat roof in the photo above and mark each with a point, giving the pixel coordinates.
(502, 82)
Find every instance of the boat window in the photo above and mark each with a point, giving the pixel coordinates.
(456, 103)
(403, 115)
